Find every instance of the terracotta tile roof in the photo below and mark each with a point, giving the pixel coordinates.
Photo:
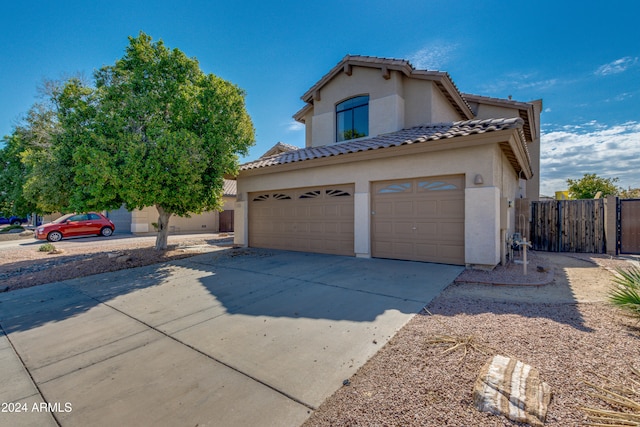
(496, 101)
(280, 147)
(526, 110)
(418, 134)
(229, 188)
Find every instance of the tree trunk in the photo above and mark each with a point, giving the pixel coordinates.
(163, 229)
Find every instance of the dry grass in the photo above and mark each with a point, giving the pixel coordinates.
(623, 400)
(455, 342)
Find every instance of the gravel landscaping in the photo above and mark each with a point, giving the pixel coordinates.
(411, 382)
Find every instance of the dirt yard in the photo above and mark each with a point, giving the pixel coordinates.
(25, 267)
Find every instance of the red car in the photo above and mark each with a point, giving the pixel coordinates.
(75, 225)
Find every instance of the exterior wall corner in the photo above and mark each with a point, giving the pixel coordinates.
(482, 226)
(241, 223)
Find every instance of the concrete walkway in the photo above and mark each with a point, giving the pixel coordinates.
(233, 338)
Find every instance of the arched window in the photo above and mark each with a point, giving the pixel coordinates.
(352, 118)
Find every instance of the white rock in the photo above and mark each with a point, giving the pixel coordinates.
(514, 389)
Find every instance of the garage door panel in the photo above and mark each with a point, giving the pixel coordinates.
(383, 208)
(315, 228)
(331, 228)
(381, 229)
(427, 208)
(419, 219)
(452, 208)
(427, 230)
(405, 228)
(451, 231)
(346, 211)
(346, 229)
(316, 219)
(403, 208)
(451, 253)
(426, 250)
(406, 248)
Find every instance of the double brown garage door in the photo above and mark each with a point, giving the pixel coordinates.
(413, 219)
(314, 219)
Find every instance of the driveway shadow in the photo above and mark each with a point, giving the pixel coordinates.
(239, 281)
(317, 286)
(25, 309)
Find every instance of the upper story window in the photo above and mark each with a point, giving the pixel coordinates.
(352, 118)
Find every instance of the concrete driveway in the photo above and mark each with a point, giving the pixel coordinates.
(232, 338)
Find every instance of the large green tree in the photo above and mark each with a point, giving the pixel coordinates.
(156, 131)
(22, 158)
(590, 184)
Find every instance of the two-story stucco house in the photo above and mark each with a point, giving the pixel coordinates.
(398, 164)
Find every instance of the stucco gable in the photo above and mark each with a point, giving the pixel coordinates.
(441, 79)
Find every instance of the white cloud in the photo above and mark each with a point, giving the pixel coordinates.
(433, 56)
(512, 82)
(572, 151)
(618, 66)
(294, 126)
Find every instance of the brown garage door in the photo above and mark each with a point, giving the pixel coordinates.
(313, 219)
(419, 219)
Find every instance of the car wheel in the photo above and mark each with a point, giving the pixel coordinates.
(54, 236)
(16, 222)
(106, 231)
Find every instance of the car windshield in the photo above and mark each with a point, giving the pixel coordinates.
(63, 218)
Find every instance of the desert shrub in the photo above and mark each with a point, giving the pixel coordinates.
(8, 228)
(46, 247)
(626, 293)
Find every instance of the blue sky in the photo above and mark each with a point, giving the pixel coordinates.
(582, 59)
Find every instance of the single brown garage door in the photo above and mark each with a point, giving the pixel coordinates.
(419, 219)
(313, 219)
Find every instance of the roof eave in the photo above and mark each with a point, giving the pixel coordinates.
(301, 113)
(363, 61)
(527, 111)
(515, 149)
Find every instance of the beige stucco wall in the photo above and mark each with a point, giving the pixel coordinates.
(386, 112)
(142, 219)
(395, 103)
(417, 102)
(482, 220)
(441, 109)
(426, 104)
(530, 187)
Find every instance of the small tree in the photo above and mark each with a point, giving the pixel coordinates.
(590, 184)
(630, 193)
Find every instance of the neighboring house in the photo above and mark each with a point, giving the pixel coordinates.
(279, 148)
(398, 164)
(140, 220)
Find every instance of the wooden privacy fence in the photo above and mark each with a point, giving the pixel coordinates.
(568, 226)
